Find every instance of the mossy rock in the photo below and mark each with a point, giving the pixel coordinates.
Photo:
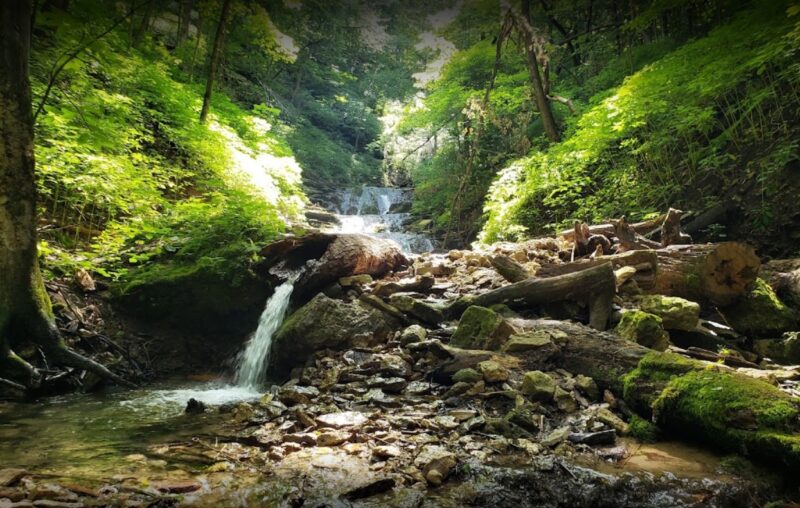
(481, 328)
(728, 410)
(762, 314)
(785, 350)
(467, 376)
(675, 313)
(538, 386)
(643, 328)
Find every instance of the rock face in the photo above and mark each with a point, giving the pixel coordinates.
(481, 328)
(325, 323)
(643, 328)
(676, 313)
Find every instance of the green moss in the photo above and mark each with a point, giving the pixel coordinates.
(475, 327)
(643, 430)
(761, 313)
(643, 328)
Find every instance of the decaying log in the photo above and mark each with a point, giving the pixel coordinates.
(629, 238)
(710, 356)
(645, 262)
(335, 255)
(509, 269)
(642, 228)
(586, 243)
(718, 273)
(671, 233)
(595, 285)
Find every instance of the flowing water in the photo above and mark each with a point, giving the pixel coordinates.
(381, 212)
(253, 360)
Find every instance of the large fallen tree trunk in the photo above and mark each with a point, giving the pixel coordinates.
(645, 262)
(706, 402)
(718, 273)
(596, 286)
(335, 255)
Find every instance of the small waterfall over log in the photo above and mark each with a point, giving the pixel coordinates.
(253, 360)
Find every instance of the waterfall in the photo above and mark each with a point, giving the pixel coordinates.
(254, 359)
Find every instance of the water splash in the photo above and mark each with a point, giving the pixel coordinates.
(253, 360)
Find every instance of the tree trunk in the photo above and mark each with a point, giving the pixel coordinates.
(216, 56)
(138, 36)
(717, 273)
(596, 286)
(542, 103)
(645, 262)
(509, 269)
(642, 228)
(25, 309)
(185, 20)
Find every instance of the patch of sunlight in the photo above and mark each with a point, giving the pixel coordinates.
(261, 169)
(374, 33)
(285, 42)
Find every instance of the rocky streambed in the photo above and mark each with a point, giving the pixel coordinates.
(393, 388)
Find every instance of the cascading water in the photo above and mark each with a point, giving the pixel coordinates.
(253, 360)
(370, 211)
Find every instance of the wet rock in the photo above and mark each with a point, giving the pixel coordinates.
(537, 385)
(538, 341)
(493, 372)
(342, 420)
(604, 437)
(10, 476)
(588, 386)
(194, 407)
(177, 487)
(292, 395)
(332, 437)
(467, 376)
(435, 462)
(643, 328)
(785, 350)
(355, 280)
(481, 328)
(556, 437)
(413, 333)
(425, 312)
(324, 323)
(613, 421)
(676, 313)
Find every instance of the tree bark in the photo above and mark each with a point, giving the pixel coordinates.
(509, 269)
(25, 309)
(542, 102)
(185, 19)
(642, 228)
(216, 56)
(645, 262)
(596, 286)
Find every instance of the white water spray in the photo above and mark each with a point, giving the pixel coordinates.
(252, 365)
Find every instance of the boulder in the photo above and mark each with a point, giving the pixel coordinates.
(785, 350)
(643, 328)
(481, 328)
(467, 376)
(493, 372)
(324, 323)
(761, 313)
(538, 342)
(424, 311)
(538, 386)
(413, 333)
(676, 313)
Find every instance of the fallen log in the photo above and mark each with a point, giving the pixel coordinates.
(336, 255)
(629, 238)
(509, 269)
(645, 262)
(709, 403)
(718, 273)
(643, 228)
(596, 286)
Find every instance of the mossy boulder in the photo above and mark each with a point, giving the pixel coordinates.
(761, 313)
(493, 372)
(481, 328)
(467, 376)
(325, 323)
(424, 311)
(538, 386)
(716, 406)
(643, 328)
(675, 313)
(785, 350)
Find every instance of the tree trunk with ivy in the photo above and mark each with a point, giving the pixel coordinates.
(25, 310)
